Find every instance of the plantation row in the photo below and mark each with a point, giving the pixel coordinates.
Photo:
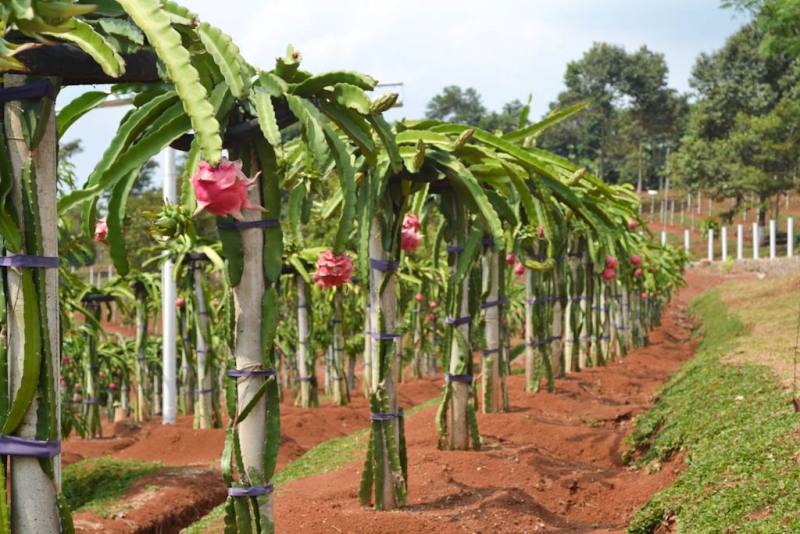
(339, 237)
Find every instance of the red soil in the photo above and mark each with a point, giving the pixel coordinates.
(171, 499)
(551, 464)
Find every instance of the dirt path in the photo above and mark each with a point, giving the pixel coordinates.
(191, 485)
(552, 464)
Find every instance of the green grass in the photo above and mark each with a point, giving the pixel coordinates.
(740, 435)
(95, 483)
(325, 457)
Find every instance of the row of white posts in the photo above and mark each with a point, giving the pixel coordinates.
(773, 252)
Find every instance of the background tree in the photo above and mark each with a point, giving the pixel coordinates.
(632, 120)
(464, 106)
(741, 132)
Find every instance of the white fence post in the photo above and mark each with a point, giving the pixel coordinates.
(663, 237)
(789, 235)
(710, 244)
(739, 242)
(169, 317)
(755, 240)
(772, 251)
(686, 241)
(724, 238)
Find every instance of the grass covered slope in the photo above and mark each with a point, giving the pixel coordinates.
(740, 435)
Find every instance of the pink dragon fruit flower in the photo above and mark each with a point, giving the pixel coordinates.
(638, 272)
(608, 274)
(410, 239)
(332, 271)
(540, 231)
(611, 262)
(431, 317)
(636, 260)
(223, 190)
(519, 270)
(101, 231)
(411, 221)
(419, 297)
(433, 304)
(632, 224)
(180, 302)
(511, 259)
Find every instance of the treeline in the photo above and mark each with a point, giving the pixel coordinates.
(732, 136)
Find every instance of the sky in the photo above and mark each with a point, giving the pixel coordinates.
(505, 49)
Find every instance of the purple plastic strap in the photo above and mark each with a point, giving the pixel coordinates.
(237, 373)
(384, 336)
(384, 266)
(488, 352)
(550, 339)
(261, 223)
(30, 91)
(33, 262)
(493, 303)
(455, 249)
(16, 446)
(464, 379)
(255, 491)
(537, 344)
(488, 241)
(386, 416)
(457, 322)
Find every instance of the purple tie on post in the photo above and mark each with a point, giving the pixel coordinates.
(255, 491)
(33, 262)
(17, 446)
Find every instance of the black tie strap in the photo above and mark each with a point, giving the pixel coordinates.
(489, 352)
(31, 91)
(550, 339)
(241, 225)
(386, 416)
(603, 337)
(493, 303)
(537, 344)
(247, 373)
(463, 379)
(31, 262)
(34, 448)
(204, 391)
(451, 321)
(384, 266)
(455, 249)
(579, 299)
(488, 241)
(384, 336)
(255, 491)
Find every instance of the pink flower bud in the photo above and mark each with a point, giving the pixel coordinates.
(645, 295)
(638, 272)
(332, 271)
(419, 297)
(636, 260)
(511, 259)
(411, 221)
(431, 317)
(540, 232)
(112, 386)
(632, 224)
(101, 231)
(76, 385)
(611, 262)
(65, 360)
(609, 274)
(433, 304)
(410, 239)
(519, 270)
(180, 302)
(222, 190)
